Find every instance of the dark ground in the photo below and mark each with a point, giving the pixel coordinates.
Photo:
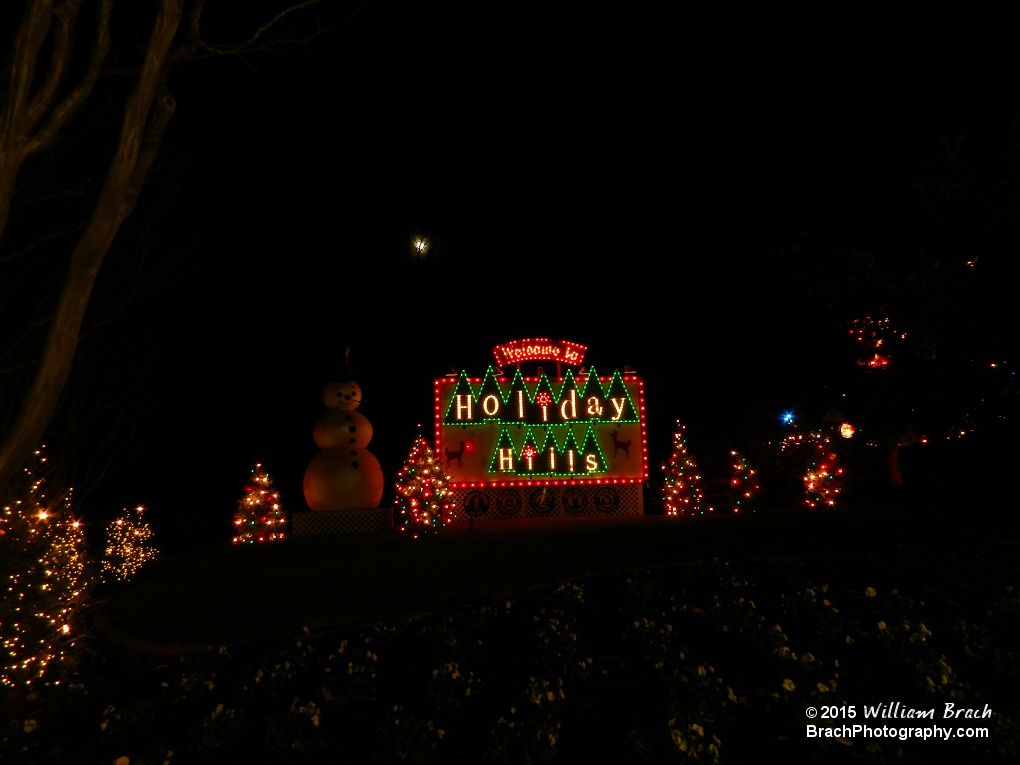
(657, 628)
(234, 595)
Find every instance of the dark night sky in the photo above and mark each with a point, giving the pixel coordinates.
(609, 186)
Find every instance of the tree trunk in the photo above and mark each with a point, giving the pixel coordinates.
(148, 110)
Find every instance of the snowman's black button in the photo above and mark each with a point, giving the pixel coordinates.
(354, 464)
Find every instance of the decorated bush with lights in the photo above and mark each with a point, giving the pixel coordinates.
(743, 482)
(423, 502)
(128, 545)
(875, 336)
(260, 516)
(46, 582)
(813, 458)
(681, 483)
(823, 480)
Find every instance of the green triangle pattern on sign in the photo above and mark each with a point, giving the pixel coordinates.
(590, 445)
(549, 458)
(518, 400)
(570, 455)
(531, 449)
(463, 388)
(544, 401)
(591, 385)
(591, 398)
(490, 387)
(550, 451)
(509, 460)
(618, 411)
(570, 401)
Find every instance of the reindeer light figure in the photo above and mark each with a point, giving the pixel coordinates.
(457, 455)
(618, 444)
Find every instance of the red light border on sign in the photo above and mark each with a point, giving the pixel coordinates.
(539, 349)
(551, 482)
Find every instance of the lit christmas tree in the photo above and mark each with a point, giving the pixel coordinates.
(260, 516)
(824, 477)
(743, 482)
(423, 502)
(46, 582)
(127, 545)
(681, 484)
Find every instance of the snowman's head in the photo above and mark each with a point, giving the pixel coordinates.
(342, 395)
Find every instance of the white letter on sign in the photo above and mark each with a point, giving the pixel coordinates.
(618, 404)
(506, 459)
(495, 405)
(461, 407)
(572, 401)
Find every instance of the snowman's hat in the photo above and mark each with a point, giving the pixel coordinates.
(340, 369)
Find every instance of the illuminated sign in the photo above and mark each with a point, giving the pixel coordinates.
(496, 431)
(538, 349)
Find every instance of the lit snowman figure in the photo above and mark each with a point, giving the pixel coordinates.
(344, 475)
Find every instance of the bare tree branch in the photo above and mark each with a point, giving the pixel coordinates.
(18, 367)
(147, 113)
(41, 240)
(247, 45)
(35, 106)
(21, 70)
(61, 194)
(65, 15)
(274, 44)
(45, 137)
(193, 34)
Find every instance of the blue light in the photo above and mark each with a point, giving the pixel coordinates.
(787, 418)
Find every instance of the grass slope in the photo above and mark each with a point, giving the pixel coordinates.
(232, 595)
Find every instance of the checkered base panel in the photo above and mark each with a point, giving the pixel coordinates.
(328, 522)
(548, 501)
